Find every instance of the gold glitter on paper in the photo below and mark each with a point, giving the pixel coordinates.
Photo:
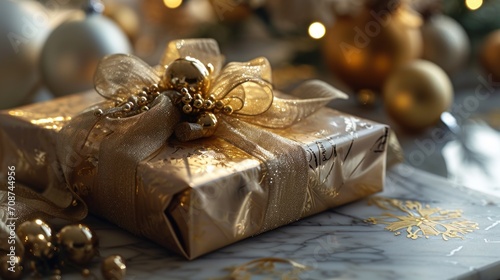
(419, 220)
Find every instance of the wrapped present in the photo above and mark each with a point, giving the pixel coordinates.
(191, 155)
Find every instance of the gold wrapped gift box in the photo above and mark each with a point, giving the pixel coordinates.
(199, 196)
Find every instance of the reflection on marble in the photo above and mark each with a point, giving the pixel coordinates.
(338, 243)
(474, 160)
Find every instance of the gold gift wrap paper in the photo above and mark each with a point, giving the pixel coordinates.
(199, 196)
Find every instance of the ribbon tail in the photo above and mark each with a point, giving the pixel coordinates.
(312, 95)
(285, 176)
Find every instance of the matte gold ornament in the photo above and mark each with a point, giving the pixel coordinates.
(189, 73)
(445, 42)
(36, 237)
(490, 55)
(362, 50)
(113, 268)
(78, 243)
(417, 94)
(11, 267)
(73, 50)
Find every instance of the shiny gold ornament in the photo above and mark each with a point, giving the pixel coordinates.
(417, 94)
(113, 268)
(209, 123)
(189, 73)
(78, 243)
(10, 267)
(362, 50)
(36, 237)
(490, 55)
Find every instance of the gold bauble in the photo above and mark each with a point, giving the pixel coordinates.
(189, 73)
(78, 243)
(490, 55)
(10, 267)
(362, 50)
(36, 237)
(417, 94)
(445, 43)
(113, 268)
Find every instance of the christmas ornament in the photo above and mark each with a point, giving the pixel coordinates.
(78, 243)
(126, 18)
(417, 94)
(10, 267)
(445, 42)
(490, 55)
(23, 28)
(113, 268)
(36, 237)
(74, 48)
(363, 49)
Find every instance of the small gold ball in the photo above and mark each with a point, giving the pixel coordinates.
(154, 87)
(98, 112)
(36, 237)
(184, 90)
(144, 108)
(198, 103)
(142, 100)
(228, 110)
(85, 272)
(219, 105)
(126, 107)
(10, 267)
(132, 99)
(143, 93)
(78, 243)
(209, 104)
(113, 268)
(187, 109)
(197, 96)
(211, 97)
(187, 98)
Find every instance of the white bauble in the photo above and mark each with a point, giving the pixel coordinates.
(445, 43)
(73, 50)
(23, 28)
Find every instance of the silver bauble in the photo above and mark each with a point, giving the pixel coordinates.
(73, 50)
(445, 43)
(23, 28)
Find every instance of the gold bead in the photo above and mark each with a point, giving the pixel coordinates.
(197, 96)
(126, 107)
(198, 103)
(228, 110)
(188, 73)
(143, 93)
(142, 100)
(78, 243)
(187, 109)
(184, 90)
(156, 93)
(209, 104)
(85, 272)
(154, 87)
(210, 68)
(219, 104)
(187, 98)
(98, 112)
(144, 108)
(211, 97)
(132, 99)
(10, 267)
(207, 120)
(113, 268)
(36, 237)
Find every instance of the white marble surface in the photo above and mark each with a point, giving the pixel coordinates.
(338, 244)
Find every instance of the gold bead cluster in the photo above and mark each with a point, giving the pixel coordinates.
(135, 103)
(193, 104)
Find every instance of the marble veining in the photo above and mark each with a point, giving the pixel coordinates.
(338, 244)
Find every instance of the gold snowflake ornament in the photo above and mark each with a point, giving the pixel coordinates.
(421, 221)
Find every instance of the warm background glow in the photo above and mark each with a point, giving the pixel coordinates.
(317, 30)
(172, 4)
(473, 4)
